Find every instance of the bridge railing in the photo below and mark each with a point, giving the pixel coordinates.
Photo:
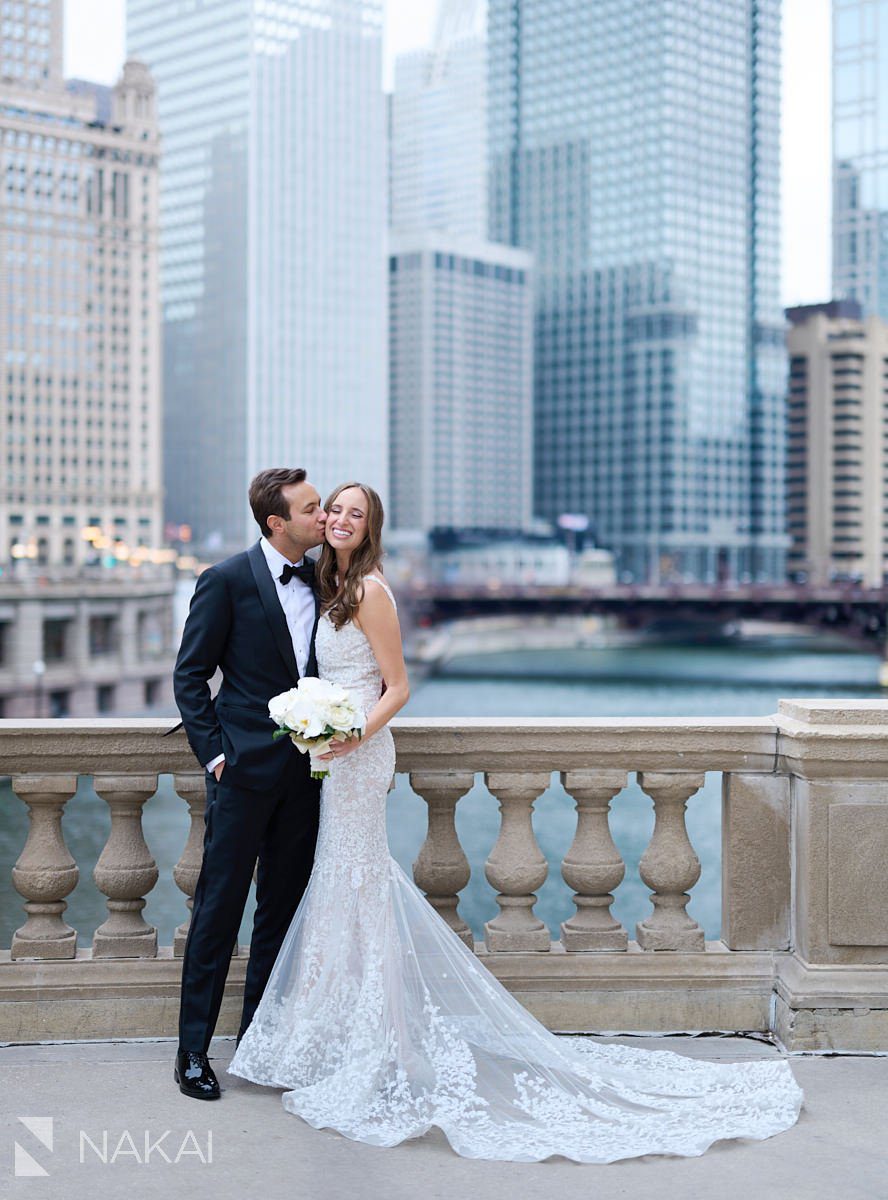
(803, 951)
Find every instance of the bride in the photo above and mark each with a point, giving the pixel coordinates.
(380, 1023)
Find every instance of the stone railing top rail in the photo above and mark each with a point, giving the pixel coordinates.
(832, 738)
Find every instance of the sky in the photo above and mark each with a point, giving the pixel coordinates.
(94, 49)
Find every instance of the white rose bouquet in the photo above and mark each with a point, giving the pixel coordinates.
(312, 715)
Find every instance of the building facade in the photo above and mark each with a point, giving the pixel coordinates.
(79, 328)
(650, 202)
(438, 128)
(85, 615)
(860, 153)
(273, 217)
(461, 384)
(837, 445)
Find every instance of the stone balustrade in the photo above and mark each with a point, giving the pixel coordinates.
(803, 951)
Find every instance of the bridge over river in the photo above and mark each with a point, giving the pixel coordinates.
(858, 613)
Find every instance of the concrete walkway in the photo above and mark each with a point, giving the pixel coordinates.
(838, 1151)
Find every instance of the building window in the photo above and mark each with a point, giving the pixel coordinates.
(151, 639)
(152, 692)
(55, 639)
(59, 704)
(102, 635)
(105, 698)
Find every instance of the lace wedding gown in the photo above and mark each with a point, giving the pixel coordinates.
(380, 1023)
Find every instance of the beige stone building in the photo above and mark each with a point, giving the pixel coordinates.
(80, 402)
(79, 306)
(837, 444)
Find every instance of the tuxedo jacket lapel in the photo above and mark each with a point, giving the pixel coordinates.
(272, 607)
(311, 667)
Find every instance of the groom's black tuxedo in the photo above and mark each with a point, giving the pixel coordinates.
(264, 806)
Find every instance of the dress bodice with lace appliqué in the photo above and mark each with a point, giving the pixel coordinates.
(380, 1023)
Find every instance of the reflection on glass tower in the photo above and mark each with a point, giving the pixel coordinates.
(860, 153)
(634, 150)
(273, 220)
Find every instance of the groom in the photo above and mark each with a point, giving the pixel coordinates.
(254, 617)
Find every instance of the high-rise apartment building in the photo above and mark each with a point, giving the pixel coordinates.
(438, 128)
(837, 446)
(273, 219)
(634, 150)
(461, 384)
(860, 153)
(79, 316)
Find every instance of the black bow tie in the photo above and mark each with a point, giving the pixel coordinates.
(305, 571)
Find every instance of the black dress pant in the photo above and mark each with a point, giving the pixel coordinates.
(279, 826)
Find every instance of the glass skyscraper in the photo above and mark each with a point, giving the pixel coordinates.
(438, 141)
(634, 149)
(273, 219)
(860, 153)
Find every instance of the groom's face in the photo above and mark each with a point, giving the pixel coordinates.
(305, 527)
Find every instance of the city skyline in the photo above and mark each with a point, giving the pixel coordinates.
(94, 48)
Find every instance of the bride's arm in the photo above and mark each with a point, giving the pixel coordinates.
(378, 620)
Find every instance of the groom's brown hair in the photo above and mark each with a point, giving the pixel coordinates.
(267, 494)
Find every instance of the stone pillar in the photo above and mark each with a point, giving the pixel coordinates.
(442, 869)
(516, 867)
(669, 865)
(593, 866)
(192, 787)
(755, 861)
(832, 990)
(45, 872)
(126, 870)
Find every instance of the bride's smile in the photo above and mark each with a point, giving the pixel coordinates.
(347, 520)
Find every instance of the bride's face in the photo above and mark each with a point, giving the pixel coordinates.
(346, 524)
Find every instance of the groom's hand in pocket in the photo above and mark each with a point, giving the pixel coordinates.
(218, 769)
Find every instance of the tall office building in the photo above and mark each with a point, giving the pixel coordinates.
(837, 453)
(273, 218)
(634, 151)
(85, 621)
(79, 317)
(461, 384)
(438, 133)
(860, 153)
(31, 43)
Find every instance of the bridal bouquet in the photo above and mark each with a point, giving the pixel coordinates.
(312, 715)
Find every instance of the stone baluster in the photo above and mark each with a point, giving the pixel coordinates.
(593, 866)
(669, 865)
(126, 870)
(192, 787)
(442, 869)
(45, 872)
(516, 867)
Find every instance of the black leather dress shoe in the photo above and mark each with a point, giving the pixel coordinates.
(195, 1076)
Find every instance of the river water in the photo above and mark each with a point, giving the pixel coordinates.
(636, 681)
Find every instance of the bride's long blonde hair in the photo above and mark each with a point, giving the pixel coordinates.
(340, 600)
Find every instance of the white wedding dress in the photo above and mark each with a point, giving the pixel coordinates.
(380, 1023)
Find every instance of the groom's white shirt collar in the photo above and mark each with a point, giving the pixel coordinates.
(276, 561)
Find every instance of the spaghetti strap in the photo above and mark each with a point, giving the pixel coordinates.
(385, 587)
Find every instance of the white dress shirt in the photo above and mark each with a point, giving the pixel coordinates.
(298, 602)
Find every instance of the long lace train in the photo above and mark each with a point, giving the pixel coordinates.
(380, 1023)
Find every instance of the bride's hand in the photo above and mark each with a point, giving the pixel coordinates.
(338, 749)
